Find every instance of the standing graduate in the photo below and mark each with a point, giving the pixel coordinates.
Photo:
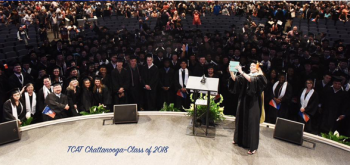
(250, 111)
(101, 95)
(105, 76)
(86, 101)
(135, 93)
(334, 106)
(281, 97)
(42, 94)
(308, 105)
(57, 102)
(120, 83)
(150, 82)
(30, 101)
(320, 86)
(180, 82)
(73, 95)
(166, 76)
(14, 108)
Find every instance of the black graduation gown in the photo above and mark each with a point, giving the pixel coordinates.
(102, 98)
(120, 80)
(40, 101)
(181, 102)
(226, 90)
(199, 70)
(166, 79)
(310, 110)
(86, 100)
(73, 99)
(135, 92)
(150, 77)
(333, 105)
(107, 81)
(283, 112)
(56, 104)
(8, 111)
(248, 110)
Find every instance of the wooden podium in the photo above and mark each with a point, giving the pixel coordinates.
(199, 84)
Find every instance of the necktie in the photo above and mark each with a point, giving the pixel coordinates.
(183, 78)
(97, 90)
(20, 78)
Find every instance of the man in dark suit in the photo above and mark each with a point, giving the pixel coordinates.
(57, 102)
(113, 64)
(19, 79)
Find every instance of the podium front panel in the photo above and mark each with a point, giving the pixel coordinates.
(211, 84)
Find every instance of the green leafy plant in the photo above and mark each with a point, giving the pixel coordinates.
(95, 110)
(27, 122)
(169, 107)
(336, 137)
(215, 112)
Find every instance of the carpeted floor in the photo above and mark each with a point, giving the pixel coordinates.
(49, 145)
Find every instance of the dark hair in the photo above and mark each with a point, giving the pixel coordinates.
(13, 102)
(311, 81)
(29, 84)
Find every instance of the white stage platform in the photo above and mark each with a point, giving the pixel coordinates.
(49, 144)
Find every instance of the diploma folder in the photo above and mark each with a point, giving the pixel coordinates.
(47, 111)
(233, 65)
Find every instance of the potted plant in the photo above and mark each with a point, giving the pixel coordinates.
(169, 107)
(215, 111)
(95, 110)
(336, 137)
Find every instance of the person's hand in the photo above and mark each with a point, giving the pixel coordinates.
(121, 90)
(147, 87)
(20, 40)
(19, 122)
(23, 89)
(239, 68)
(66, 107)
(341, 117)
(302, 109)
(277, 100)
(75, 106)
(232, 75)
(28, 38)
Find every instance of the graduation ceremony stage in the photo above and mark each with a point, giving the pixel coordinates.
(48, 143)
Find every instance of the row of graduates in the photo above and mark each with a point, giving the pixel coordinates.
(146, 85)
(149, 86)
(322, 105)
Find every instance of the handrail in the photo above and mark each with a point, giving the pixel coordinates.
(163, 113)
